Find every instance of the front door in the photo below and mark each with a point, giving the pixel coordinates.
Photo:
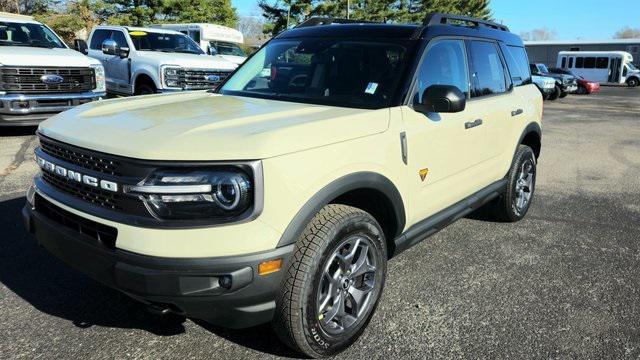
(442, 148)
(614, 70)
(116, 67)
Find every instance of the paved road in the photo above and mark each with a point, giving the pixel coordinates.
(564, 282)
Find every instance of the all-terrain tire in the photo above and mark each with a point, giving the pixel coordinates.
(505, 208)
(296, 320)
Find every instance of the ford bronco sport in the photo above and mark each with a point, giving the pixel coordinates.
(282, 195)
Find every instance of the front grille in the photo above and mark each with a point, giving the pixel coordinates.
(93, 195)
(27, 80)
(79, 158)
(105, 234)
(194, 79)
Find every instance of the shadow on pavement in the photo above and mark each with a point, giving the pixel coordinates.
(53, 288)
(18, 130)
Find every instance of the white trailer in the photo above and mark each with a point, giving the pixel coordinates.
(607, 67)
(213, 39)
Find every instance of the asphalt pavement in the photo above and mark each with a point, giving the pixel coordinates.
(562, 283)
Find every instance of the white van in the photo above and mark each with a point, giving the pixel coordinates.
(213, 39)
(608, 67)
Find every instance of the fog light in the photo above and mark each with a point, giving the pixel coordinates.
(269, 267)
(225, 282)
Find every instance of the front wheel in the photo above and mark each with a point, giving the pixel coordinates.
(556, 93)
(333, 283)
(563, 94)
(515, 200)
(633, 82)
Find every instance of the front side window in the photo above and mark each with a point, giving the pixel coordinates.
(28, 34)
(164, 42)
(443, 64)
(339, 72)
(488, 72)
(120, 39)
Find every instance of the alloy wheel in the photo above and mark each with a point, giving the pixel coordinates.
(524, 186)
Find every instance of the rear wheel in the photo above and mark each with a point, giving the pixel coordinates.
(556, 93)
(514, 202)
(333, 283)
(633, 82)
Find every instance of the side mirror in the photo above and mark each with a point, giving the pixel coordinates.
(212, 51)
(123, 52)
(110, 47)
(80, 46)
(441, 99)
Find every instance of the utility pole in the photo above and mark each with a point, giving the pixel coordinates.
(348, 3)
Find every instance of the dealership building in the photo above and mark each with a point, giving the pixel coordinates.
(546, 51)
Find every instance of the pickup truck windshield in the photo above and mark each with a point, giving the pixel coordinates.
(339, 72)
(28, 34)
(164, 42)
(225, 48)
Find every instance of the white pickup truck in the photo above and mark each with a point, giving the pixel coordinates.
(39, 75)
(140, 61)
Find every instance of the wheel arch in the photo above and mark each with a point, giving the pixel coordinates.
(532, 137)
(143, 76)
(369, 191)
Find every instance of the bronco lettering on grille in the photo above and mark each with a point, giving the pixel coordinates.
(76, 176)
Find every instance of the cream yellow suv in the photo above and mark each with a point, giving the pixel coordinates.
(282, 195)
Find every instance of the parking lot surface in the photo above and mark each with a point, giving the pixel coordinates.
(562, 283)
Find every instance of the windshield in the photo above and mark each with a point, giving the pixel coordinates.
(165, 42)
(340, 72)
(631, 66)
(225, 48)
(28, 34)
(543, 68)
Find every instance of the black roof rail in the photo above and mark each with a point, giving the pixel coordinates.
(317, 21)
(445, 19)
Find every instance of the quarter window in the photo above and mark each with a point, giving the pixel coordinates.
(517, 62)
(488, 72)
(444, 64)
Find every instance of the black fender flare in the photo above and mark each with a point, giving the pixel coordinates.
(359, 180)
(533, 127)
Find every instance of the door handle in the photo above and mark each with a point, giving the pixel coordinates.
(516, 112)
(472, 124)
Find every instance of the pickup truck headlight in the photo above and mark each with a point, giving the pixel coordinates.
(222, 194)
(170, 76)
(98, 70)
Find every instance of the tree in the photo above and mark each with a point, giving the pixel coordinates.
(282, 13)
(251, 28)
(627, 33)
(219, 12)
(74, 18)
(542, 33)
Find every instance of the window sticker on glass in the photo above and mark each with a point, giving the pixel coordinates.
(137, 33)
(371, 88)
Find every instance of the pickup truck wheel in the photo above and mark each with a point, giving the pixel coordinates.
(514, 202)
(563, 94)
(333, 282)
(556, 93)
(145, 89)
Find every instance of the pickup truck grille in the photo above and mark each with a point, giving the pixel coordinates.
(196, 79)
(28, 80)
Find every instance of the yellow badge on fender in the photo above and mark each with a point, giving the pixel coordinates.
(423, 173)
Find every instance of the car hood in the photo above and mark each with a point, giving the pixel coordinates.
(35, 56)
(205, 126)
(188, 60)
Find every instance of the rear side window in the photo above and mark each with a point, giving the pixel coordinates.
(570, 62)
(602, 63)
(444, 64)
(488, 72)
(99, 36)
(579, 62)
(518, 64)
(589, 63)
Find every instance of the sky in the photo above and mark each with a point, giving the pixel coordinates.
(570, 19)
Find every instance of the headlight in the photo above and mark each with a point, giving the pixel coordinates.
(101, 85)
(170, 76)
(222, 194)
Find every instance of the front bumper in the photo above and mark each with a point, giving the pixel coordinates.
(571, 88)
(226, 291)
(30, 109)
